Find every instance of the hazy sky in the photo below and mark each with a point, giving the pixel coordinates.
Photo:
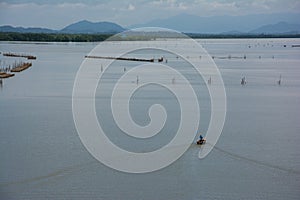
(58, 13)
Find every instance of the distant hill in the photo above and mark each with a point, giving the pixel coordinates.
(25, 30)
(278, 28)
(92, 27)
(84, 26)
(220, 24)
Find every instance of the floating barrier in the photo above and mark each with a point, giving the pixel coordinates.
(5, 75)
(21, 67)
(29, 57)
(128, 59)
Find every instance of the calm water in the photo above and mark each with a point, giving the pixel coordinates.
(256, 157)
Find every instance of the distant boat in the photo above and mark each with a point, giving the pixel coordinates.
(209, 81)
(279, 81)
(243, 81)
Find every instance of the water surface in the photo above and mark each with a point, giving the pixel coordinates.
(256, 157)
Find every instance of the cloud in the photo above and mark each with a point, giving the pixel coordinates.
(131, 7)
(59, 13)
(54, 16)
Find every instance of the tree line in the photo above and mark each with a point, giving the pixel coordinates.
(63, 37)
(53, 37)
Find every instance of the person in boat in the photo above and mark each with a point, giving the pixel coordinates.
(201, 138)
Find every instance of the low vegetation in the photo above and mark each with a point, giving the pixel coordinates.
(59, 37)
(53, 37)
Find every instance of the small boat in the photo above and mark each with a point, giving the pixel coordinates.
(201, 142)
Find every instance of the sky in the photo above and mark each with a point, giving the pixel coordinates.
(56, 14)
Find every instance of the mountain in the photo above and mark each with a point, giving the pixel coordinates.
(92, 27)
(25, 30)
(219, 24)
(279, 28)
